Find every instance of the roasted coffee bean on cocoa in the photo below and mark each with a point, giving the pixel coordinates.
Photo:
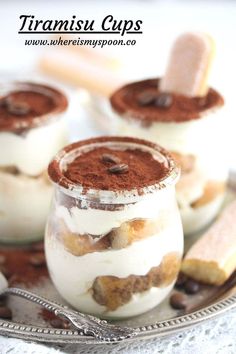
(191, 287)
(16, 107)
(163, 100)
(146, 98)
(178, 301)
(118, 169)
(110, 158)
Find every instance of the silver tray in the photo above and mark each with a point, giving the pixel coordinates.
(161, 321)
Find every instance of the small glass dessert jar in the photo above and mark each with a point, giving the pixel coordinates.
(114, 237)
(190, 128)
(32, 129)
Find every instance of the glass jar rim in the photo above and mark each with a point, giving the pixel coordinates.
(70, 152)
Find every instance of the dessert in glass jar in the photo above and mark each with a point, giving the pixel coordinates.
(32, 129)
(189, 126)
(114, 238)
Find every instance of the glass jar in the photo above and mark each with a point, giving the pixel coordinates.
(190, 128)
(32, 129)
(113, 253)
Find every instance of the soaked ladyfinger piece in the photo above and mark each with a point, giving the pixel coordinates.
(189, 65)
(212, 259)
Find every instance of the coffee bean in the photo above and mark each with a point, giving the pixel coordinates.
(178, 301)
(16, 107)
(181, 280)
(5, 312)
(163, 100)
(110, 158)
(117, 169)
(191, 287)
(59, 323)
(2, 259)
(146, 98)
(37, 260)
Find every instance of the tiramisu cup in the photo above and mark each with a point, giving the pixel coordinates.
(32, 129)
(114, 237)
(189, 126)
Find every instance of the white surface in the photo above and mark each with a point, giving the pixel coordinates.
(162, 23)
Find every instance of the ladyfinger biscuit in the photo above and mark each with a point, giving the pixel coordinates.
(212, 259)
(189, 65)
(77, 70)
(98, 57)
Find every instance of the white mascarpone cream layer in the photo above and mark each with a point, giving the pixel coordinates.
(31, 152)
(99, 222)
(24, 205)
(188, 137)
(76, 274)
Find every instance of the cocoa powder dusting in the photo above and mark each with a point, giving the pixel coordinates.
(19, 268)
(128, 102)
(21, 108)
(91, 171)
(53, 320)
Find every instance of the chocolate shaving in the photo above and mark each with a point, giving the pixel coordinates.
(120, 168)
(110, 158)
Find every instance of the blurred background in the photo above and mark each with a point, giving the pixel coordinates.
(162, 20)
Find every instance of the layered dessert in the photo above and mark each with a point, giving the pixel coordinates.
(32, 129)
(180, 112)
(114, 237)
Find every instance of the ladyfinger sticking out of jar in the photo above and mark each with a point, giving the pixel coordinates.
(184, 115)
(32, 129)
(114, 237)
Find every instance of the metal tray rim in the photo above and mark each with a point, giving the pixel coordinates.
(157, 329)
